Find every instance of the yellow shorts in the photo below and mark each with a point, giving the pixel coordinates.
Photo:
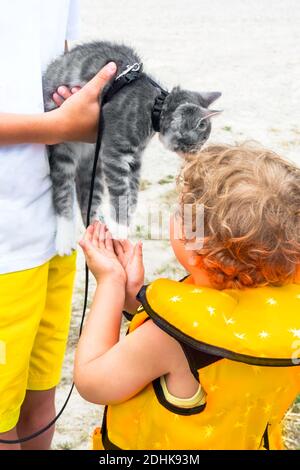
(35, 311)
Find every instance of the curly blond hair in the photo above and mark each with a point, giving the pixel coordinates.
(251, 201)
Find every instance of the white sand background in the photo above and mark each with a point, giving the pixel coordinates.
(249, 50)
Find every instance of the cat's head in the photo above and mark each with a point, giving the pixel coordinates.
(186, 120)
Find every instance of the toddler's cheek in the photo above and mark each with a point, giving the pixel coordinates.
(178, 244)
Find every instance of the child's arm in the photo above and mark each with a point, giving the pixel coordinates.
(103, 325)
(108, 370)
(36, 128)
(75, 120)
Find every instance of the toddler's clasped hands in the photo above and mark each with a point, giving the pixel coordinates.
(118, 261)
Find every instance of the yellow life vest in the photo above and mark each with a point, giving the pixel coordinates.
(253, 336)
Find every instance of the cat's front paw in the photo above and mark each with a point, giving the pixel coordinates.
(65, 236)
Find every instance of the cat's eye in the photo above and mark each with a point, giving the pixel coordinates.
(202, 125)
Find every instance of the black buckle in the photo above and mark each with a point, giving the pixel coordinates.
(130, 74)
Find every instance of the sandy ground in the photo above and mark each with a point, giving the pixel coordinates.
(247, 49)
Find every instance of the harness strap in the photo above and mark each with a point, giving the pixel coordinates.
(119, 83)
(158, 104)
(157, 109)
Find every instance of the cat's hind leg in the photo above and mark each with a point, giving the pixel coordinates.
(83, 183)
(135, 179)
(62, 158)
(117, 171)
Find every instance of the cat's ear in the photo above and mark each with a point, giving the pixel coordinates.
(208, 97)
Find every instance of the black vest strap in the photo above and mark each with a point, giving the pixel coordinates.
(107, 444)
(266, 443)
(197, 359)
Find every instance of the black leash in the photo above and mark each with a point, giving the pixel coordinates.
(130, 74)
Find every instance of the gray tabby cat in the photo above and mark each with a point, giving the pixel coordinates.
(184, 127)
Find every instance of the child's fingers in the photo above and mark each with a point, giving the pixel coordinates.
(138, 251)
(127, 247)
(118, 249)
(101, 242)
(87, 247)
(95, 239)
(81, 243)
(136, 257)
(64, 92)
(89, 233)
(120, 253)
(109, 242)
(127, 244)
(58, 100)
(75, 89)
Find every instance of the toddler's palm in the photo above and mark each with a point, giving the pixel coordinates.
(107, 260)
(130, 257)
(99, 251)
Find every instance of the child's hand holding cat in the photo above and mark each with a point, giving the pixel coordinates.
(75, 120)
(101, 259)
(78, 115)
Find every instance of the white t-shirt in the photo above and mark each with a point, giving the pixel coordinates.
(32, 33)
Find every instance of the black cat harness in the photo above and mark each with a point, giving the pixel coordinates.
(129, 75)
